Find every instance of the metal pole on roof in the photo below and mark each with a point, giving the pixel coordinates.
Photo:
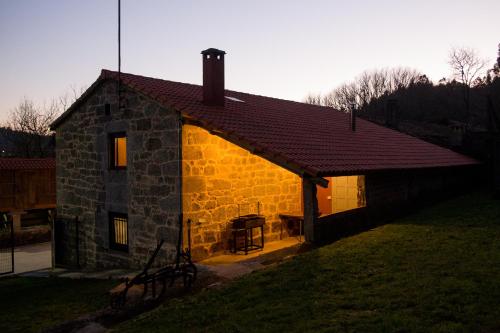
(119, 53)
(119, 37)
(353, 117)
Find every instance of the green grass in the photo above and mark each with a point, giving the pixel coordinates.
(435, 271)
(31, 304)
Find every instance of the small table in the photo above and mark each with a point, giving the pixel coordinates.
(292, 220)
(243, 226)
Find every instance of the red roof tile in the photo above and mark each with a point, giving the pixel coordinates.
(317, 140)
(27, 163)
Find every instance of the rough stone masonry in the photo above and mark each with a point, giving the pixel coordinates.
(147, 190)
(218, 176)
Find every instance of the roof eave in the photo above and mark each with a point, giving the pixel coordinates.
(412, 168)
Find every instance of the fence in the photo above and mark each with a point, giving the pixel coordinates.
(6, 247)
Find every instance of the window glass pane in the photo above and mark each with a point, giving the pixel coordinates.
(121, 152)
(120, 225)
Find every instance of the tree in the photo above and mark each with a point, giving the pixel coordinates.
(313, 99)
(497, 66)
(66, 100)
(367, 87)
(28, 127)
(466, 66)
(495, 71)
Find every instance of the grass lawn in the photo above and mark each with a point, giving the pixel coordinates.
(435, 271)
(30, 304)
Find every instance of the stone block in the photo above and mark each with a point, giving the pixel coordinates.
(154, 170)
(143, 124)
(169, 204)
(259, 190)
(192, 154)
(193, 184)
(153, 144)
(209, 170)
(210, 204)
(272, 189)
(218, 184)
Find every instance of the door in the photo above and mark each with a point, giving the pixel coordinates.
(324, 196)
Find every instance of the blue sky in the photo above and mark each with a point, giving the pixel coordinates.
(276, 48)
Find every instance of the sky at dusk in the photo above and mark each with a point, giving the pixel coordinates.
(283, 49)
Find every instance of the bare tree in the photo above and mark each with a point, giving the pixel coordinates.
(466, 66)
(313, 99)
(366, 87)
(64, 101)
(28, 118)
(28, 127)
(342, 97)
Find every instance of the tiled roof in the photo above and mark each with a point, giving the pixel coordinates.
(27, 163)
(314, 139)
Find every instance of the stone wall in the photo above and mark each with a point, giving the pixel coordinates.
(217, 176)
(148, 190)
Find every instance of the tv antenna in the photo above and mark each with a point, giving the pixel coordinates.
(119, 55)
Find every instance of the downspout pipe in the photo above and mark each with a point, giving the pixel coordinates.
(179, 186)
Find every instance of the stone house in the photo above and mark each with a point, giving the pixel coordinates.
(137, 156)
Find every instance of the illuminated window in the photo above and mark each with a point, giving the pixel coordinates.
(118, 231)
(118, 151)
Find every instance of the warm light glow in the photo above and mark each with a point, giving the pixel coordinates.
(221, 180)
(343, 193)
(121, 152)
(120, 229)
(348, 192)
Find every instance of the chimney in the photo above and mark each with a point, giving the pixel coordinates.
(213, 77)
(353, 117)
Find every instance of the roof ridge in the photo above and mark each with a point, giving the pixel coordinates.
(147, 77)
(226, 90)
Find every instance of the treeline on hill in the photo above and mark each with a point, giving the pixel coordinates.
(459, 113)
(28, 145)
(26, 132)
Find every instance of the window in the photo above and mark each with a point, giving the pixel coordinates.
(343, 193)
(117, 151)
(118, 231)
(107, 109)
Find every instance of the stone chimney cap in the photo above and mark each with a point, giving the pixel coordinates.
(212, 51)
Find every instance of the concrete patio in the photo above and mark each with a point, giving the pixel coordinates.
(32, 257)
(230, 266)
(224, 266)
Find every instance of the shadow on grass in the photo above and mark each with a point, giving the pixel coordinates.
(474, 209)
(31, 304)
(418, 274)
